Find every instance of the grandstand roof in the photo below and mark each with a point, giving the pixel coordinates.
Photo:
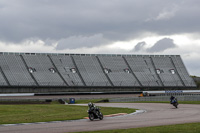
(79, 54)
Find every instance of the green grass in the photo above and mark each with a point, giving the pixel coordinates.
(189, 102)
(88, 100)
(180, 128)
(11, 114)
(97, 100)
(180, 102)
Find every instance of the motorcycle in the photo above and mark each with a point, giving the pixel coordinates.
(94, 113)
(174, 102)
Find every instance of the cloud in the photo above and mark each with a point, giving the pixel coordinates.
(161, 45)
(113, 26)
(166, 14)
(115, 20)
(73, 42)
(184, 46)
(139, 46)
(191, 62)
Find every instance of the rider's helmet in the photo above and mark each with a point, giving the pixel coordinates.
(89, 104)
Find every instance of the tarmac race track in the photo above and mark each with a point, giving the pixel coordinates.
(156, 114)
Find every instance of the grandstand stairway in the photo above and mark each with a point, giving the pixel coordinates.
(155, 72)
(177, 71)
(78, 71)
(57, 70)
(131, 71)
(29, 72)
(4, 76)
(104, 72)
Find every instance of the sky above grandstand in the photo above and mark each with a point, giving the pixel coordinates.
(169, 27)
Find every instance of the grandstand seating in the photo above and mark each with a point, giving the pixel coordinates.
(165, 66)
(42, 65)
(144, 71)
(91, 71)
(85, 70)
(2, 80)
(117, 73)
(188, 81)
(15, 71)
(65, 66)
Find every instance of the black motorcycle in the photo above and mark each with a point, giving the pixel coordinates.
(94, 113)
(174, 102)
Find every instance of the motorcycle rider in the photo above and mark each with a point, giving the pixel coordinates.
(92, 107)
(94, 112)
(173, 99)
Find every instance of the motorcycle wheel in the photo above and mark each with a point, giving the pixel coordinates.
(91, 117)
(100, 116)
(176, 105)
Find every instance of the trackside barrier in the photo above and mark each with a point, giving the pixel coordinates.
(25, 100)
(21, 100)
(17, 94)
(156, 98)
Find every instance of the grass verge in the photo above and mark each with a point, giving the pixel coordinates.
(99, 100)
(89, 100)
(12, 114)
(180, 128)
(180, 102)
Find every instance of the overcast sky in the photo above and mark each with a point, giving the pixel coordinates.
(169, 27)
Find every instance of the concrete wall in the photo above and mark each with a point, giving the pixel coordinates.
(59, 89)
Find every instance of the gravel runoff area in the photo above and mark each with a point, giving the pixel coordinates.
(156, 114)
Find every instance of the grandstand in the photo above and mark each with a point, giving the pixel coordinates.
(55, 72)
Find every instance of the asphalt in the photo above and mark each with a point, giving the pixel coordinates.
(155, 114)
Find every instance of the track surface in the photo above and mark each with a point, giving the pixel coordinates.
(157, 114)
